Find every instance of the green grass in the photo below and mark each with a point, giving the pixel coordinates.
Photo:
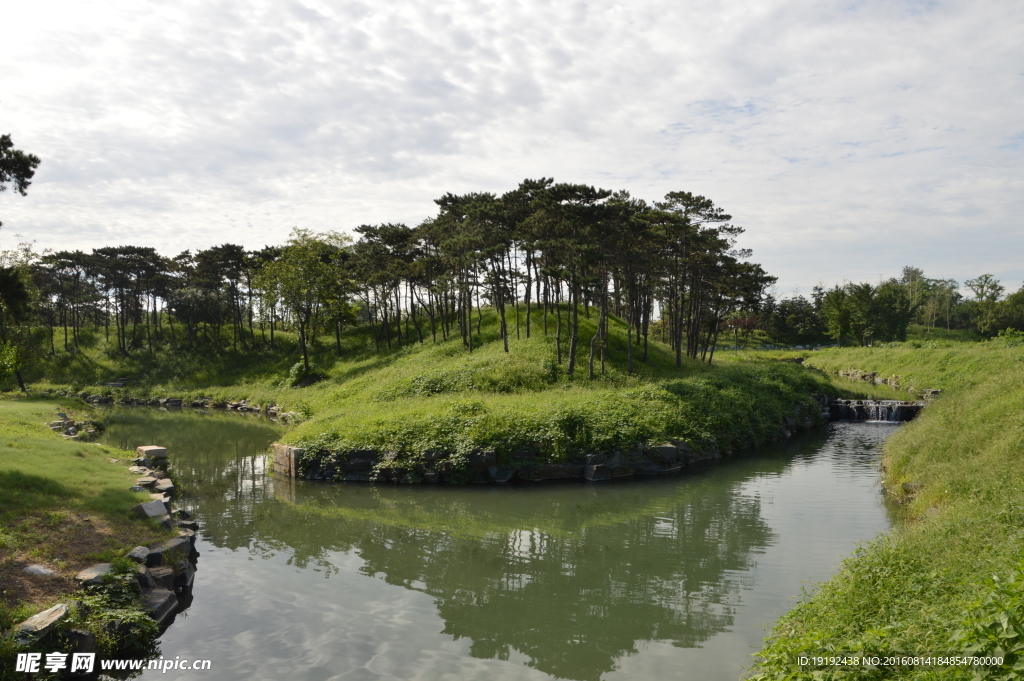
(63, 504)
(959, 472)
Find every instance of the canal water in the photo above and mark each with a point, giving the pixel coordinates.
(662, 579)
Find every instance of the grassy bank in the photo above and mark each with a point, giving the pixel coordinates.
(928, 587)
(63, 505)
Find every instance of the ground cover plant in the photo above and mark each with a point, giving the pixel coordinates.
(947, 578)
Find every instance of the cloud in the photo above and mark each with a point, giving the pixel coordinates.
(848, 138)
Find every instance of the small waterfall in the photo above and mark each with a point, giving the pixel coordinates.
(893, 411)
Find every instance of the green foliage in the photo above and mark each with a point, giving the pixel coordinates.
(994, 625)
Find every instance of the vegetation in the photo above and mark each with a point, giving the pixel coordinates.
(63, 505)
(901, 308)
(947, 579)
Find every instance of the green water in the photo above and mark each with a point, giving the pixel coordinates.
(664, 579)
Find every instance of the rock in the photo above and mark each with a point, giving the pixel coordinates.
(38, 626)
(140, 470)
(170, 552)
(188, 525)
(484, 458)
(81, 640)
(359, 461)
(432, 476)
(162, 576)
(664, 453)
(150, 509)
(184, 574)
(40, 570)
(596, 459)
(144, 578)
(597, 472)
(139, 554)
(649, 468)
(136, 488)
(622, 470)
(789, 423)
(183, 514)
(151, 452)
(146, 481)
(97, 574)
(160, 604)
(164, 485)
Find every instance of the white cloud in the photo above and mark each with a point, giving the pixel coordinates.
(848, 138)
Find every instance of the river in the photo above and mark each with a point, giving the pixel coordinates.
(662, 579)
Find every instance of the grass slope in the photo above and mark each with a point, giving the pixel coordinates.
(928, 587)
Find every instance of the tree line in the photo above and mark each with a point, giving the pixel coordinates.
(862, 313)
(542, 254)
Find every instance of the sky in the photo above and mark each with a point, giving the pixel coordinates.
(848, 138)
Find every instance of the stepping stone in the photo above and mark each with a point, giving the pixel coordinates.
(40, 570)
(150, 509)
(164, 485)
(146, 481)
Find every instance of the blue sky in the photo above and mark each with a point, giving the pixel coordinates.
(849, 139)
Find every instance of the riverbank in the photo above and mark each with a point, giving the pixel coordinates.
(958, 470)
(64, 506)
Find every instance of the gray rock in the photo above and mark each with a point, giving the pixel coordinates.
(160, 604)
(184, 574)
(183, 514)
(162, 576)
(170, 552)
(97, 574)
(139, 554)
(146, 481)
(81, 640)
(151, 452)
(188, 525)
(664, 453)
(40, 570)
(650, 468)
(164, 485)
(39, 625)
(136, 488)
(597, 472)
(596, 459)
(150, 509)
(144, 578)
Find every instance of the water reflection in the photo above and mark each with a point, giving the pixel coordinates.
(569, 579)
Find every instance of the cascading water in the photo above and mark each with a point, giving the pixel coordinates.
(892, 411)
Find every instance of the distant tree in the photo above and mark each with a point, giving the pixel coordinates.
(985, 287)
(16, 166)
(835, 305)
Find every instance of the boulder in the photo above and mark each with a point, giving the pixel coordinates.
(97, 574)
(151, 452)
(501, 475)
(649, 468)
(597, 472)
(596, 459)
(482, 458)
(39, 625)
(160, 604)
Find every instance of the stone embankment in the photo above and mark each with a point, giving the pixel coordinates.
(164, 574)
